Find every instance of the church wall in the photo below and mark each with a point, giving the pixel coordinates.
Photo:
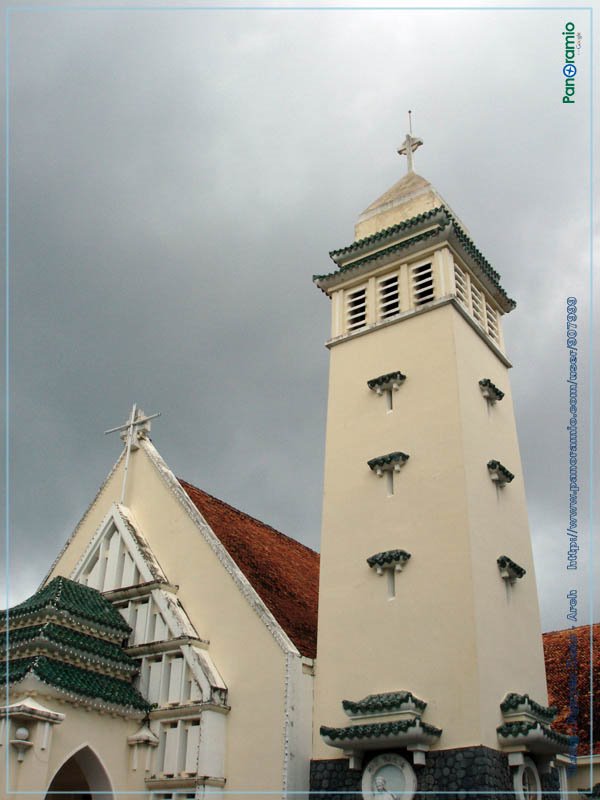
(104, 734)
(509, 641)
(244, 651)
(248, 658)
(423, 640)
(300, 733)
(582, 777)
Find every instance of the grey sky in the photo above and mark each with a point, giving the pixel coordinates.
(176, 179)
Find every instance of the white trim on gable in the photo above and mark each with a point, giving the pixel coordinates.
(117, 537)
(82, 520)
(242, 583)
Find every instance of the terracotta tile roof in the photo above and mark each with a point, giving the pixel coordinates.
(561, 649)
(284, 573)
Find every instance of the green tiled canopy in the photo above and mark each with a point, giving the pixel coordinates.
(70, 637)
(77, 680)
(80, 601)
(378, 730)
(382, 703)
(513, 700)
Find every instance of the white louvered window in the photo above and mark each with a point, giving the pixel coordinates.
(191, 748)
(477, 302)
(130, 573)
(462, 289)
(158, 628)
(388, 296)
(114, 565)
(422, 284)
(171, 733)
(155, 669)
(492, 323)
(139, 622)
(175, 680)
(356, 308)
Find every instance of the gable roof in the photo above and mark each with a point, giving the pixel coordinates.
(283, 572)
(567, 653)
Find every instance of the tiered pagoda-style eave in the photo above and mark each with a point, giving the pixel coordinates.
(67, 641)
(424, 231)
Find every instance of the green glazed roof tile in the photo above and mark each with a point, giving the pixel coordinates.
(378, 729)
(486, 383)
(77, 681)
(446, 219)
(80, 601)
(512, 701)
(386, 701)
(420, 237)
(69, 638)
(386, 233)
(380, 560)
(504, 562)
(506, 473)
(390, 377)
(525, 728)
(390, 458)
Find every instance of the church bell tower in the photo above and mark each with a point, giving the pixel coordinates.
(430, 671)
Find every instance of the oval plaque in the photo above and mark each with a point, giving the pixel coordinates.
(388, 777)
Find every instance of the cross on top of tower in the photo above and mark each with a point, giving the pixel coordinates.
(409, 145)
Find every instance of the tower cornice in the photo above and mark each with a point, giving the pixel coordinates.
(409, 237)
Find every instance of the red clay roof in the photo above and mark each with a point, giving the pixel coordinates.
(284, 573)
(561, 650)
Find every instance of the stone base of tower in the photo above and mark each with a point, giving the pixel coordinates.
(465, 770)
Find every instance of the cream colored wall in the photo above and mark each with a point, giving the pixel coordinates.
(368, 643)
(438, 637)
(104, 734)
(508, 624)
(247, 656)
(580, 778)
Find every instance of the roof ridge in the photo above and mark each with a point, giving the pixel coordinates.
(571, 629)
(249, 516)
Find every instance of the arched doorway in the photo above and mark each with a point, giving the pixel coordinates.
(81, 777)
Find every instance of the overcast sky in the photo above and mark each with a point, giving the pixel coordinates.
(176, 178)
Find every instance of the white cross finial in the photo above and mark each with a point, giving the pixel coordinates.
(136, 427)
(409, 145)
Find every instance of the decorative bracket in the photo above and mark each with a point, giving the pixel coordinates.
(21, 742)
(143, 740)
(490, 391)
(27, 714)
(390, 382)
(388, 559)
(509, 569)
(392, 462)
(498, 473)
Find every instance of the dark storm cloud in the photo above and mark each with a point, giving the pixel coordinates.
(176, 179)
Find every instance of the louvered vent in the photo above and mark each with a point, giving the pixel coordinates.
(356, 309)
(462, 289)
(422, 284)
(492, 323)
(478, 305)
(388, 295)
